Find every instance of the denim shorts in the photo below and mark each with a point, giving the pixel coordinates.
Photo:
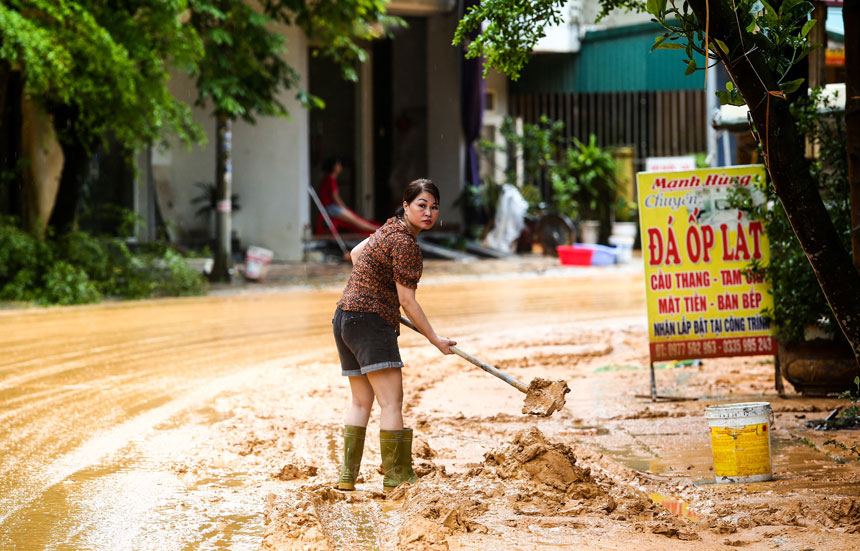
(365, 343)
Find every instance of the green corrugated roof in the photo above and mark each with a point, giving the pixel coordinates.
(609, 60)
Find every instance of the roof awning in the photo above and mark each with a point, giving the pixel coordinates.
(420, 7)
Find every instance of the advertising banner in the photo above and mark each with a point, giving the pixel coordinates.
(696, 249)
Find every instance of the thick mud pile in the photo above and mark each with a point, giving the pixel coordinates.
(549, 467)
(529, 480)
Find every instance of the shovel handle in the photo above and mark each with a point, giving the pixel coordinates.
(475, 361)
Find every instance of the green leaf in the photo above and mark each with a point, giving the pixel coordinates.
(658, 40)
(768, 10)
(802, 10)
(807, 27)
(786, 5)
(668, 46)
(656, 7)
(791, 86)
(691, 67)
(721, 44)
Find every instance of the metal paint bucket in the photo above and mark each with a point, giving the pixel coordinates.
(740, 441)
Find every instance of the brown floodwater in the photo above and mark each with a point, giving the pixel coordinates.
(101, 405)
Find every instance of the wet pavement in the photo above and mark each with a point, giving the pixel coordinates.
(213, 423)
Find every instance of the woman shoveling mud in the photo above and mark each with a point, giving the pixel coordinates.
(386, 269)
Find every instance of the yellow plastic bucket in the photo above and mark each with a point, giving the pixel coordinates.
(740, 441)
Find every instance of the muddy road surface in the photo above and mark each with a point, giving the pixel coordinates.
(214, 423)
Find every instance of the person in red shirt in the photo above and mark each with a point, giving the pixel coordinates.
(334, 205)
(385, 273)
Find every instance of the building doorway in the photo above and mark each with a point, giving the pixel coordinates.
(400, 114)
(332, 129)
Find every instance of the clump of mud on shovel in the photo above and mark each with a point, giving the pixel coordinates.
(545, 397)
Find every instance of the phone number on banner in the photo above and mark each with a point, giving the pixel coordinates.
(712, 348)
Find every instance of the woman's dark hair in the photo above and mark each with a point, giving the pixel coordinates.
(328, 164)
(416, 188)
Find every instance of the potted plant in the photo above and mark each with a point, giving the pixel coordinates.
(813, 354)
(584, 188)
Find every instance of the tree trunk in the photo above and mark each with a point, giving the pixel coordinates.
(41, 174)
(817, 58)
(851, 22)
(223, 206)
(789, 170)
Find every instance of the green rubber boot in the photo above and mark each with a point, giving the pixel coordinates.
(395, 446)
(353, 448)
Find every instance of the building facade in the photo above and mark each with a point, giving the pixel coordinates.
(402, 120)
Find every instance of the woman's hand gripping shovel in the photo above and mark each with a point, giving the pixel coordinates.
(543, 397)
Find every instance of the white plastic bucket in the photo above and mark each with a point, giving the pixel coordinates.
(589, 230)
(624, 245)
(740, 441)
(625, 229)
(257, 261)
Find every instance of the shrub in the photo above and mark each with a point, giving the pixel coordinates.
(66, 284)
(584, 183)
(79, 267)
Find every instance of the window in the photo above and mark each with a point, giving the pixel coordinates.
(490, 101)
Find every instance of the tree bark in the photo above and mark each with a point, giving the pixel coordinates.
(788, 168)
(41, 174)
(851, 22)
(223, 206)
(818, 35)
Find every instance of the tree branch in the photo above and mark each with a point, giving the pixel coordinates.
(789, 169)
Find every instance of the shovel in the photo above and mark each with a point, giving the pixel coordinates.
(543, 397)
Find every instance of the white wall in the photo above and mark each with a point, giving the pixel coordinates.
(564, 37)
(445, 156)
(176, 170)
(495, 84)
(616, 18)
(270, 169)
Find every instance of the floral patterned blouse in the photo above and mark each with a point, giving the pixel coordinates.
(391, 255)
